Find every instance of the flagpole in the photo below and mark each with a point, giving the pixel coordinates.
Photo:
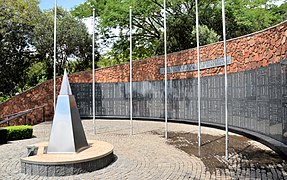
(55, 49)
(131, 75)
(198, 75)
(94, 112)
(225, 77)
(165, 73)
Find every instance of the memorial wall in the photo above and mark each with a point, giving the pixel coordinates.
(256, 100)
(257, 86)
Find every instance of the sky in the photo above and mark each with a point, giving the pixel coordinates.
(66, 4)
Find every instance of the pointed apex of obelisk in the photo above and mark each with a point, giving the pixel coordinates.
(65, 87)
(67, 133)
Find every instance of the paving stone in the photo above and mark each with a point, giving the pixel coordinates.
(140, 156)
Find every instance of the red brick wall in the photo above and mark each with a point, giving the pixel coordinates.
(35, 97)
(248, 52)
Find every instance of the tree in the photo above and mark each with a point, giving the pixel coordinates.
(26, 45)
(17, 20)
(74, 44)
(35, 74)
(242, 17)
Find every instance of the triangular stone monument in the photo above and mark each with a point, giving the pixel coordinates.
(67, 134)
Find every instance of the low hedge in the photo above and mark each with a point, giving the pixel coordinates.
(19, 132)
(3, 135)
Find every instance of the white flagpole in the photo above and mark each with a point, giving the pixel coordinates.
(225, 77)
(94, 113)
(55, 49)
(198, 74)
(131, 75)
(165, 72)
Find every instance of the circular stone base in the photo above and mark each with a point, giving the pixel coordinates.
(98, 155)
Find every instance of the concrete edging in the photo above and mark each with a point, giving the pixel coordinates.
(57, 164)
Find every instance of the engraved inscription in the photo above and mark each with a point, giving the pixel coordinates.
(192, 67)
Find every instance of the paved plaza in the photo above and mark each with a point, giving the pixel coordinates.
(144, 155)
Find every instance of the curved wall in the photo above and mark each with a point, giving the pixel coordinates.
(257, 100)
(257, 87)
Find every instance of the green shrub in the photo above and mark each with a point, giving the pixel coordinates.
(3, 136)
(19, 132)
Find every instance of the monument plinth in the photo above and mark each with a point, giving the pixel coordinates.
(68, 152)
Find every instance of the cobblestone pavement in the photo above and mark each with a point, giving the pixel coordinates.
(141, 156)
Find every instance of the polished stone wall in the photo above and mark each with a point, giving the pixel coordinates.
(257, 100)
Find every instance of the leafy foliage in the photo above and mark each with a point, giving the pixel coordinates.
(74, 44)
(242, 17)
(27, 45)
(35, 74)
(4, 98)
(19, 132)
(16, 29)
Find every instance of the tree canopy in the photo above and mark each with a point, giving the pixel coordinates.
(242, 17)
(17, 20)
(74, 44)
(26, 45)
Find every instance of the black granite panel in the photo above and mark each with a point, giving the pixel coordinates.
(257, 100)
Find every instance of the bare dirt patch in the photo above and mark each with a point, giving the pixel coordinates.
(243, 154)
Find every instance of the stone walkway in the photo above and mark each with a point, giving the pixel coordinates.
(141, 156)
